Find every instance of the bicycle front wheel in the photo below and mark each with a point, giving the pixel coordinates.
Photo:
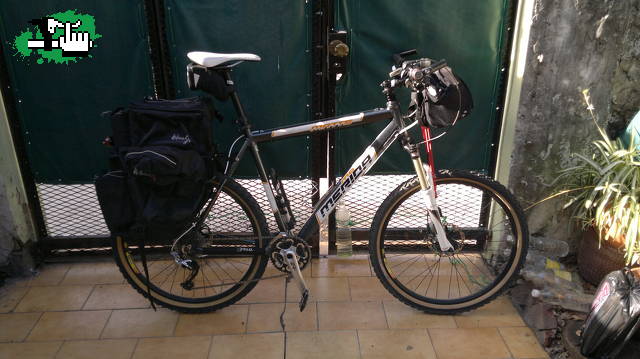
(483, 222)
(235, 221)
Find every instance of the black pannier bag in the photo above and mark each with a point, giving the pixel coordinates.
(614, 316)
(115, 201)
(162, 155)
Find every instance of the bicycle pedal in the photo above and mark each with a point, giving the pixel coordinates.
(304, 299)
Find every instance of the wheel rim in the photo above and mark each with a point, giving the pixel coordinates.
(219, 279)
(488, 238)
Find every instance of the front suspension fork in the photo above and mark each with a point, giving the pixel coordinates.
(427, 189)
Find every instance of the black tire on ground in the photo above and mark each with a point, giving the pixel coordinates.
(221, 270)
(484, 266)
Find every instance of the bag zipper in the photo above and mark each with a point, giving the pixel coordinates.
(155, 153)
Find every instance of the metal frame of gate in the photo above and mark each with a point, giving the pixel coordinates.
(322, 105)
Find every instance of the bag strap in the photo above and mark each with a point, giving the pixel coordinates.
(140, 233)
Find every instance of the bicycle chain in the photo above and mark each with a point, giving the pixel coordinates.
(241, 282)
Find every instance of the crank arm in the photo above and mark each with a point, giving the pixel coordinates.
(294, 267)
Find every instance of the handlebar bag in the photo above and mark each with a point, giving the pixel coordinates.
(447, 100)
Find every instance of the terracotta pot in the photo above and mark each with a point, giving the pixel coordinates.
(595, 261)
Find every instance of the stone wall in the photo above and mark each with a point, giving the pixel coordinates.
(17, 232)
(573, 45)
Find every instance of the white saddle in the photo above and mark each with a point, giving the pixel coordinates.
(211, 59)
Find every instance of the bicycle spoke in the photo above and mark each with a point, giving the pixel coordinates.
(477, 225)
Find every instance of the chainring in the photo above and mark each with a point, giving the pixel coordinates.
(303, 251)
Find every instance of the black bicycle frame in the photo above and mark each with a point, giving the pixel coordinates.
(330, 199)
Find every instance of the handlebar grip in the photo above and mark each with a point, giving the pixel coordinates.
(399, 57)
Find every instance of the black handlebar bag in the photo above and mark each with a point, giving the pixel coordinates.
(161, 160)
(614, 316)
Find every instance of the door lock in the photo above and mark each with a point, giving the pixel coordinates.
(338, 48)
(337, 52)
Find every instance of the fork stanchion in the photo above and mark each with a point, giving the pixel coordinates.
(426, 135)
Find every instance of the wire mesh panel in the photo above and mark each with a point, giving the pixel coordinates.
(73, 210)
(460, 205)
(363, 201)
(299, 193)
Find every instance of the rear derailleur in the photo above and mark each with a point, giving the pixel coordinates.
(182, 258)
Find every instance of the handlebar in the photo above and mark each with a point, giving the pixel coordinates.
(415, 71)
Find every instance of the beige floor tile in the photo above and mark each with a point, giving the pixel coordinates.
(381, 344)
(351, 315)
(522, 343)
(49, 298)
(367, 288)
(249, 346)
(93, 273)
(356, 266)
(171, 348)
(322, 345)
(97, 349)
(266, 317)
(266, 291)
(229, 320)
(469, 343)
(10, 296)
(29, 350)
(49, 274)
(69, 325)
(135, 323)
(499, 313)
(15, 327)
(115, 296)
(402, 316)
(322, 289)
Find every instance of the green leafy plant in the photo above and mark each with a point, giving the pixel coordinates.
(603, 187)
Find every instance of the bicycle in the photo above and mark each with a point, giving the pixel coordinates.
(442, 242)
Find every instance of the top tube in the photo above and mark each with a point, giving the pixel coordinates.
(323, 125)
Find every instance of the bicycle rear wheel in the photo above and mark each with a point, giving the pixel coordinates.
(485, 225)
(235, 220)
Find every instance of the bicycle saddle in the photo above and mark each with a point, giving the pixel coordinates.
(211, 59)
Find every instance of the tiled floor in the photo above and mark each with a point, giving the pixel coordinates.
(84, 310)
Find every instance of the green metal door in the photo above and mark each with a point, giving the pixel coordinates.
(59, 104)
(55, 108)
(470, 35)
(55, 105)
(275, 91)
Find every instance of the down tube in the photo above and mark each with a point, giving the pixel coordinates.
(359, 168)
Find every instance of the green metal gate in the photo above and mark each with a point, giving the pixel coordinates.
(55, 109)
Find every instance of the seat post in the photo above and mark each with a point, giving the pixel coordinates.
(242, 118)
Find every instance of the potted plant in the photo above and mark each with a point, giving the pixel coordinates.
(602, 190)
